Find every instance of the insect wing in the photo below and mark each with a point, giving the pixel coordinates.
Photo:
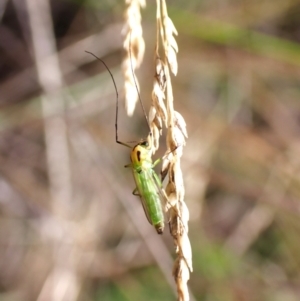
(139, 183)
(149, 193)
(158, 185)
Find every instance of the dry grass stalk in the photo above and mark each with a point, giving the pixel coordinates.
(159, 114)
(176, 135)
(134, 46)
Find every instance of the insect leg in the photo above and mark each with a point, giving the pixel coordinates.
(156, 162)
(136, 192)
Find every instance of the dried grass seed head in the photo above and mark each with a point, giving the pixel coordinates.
(181, 274)
(142, 3)
(171, 47)
(134, 46)
(180, 123)
(160, 74)
(186, 250)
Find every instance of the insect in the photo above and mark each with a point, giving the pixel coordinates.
(148, 184)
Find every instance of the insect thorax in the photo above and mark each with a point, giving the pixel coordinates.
(141, 155)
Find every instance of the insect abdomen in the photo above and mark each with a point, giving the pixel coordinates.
(150, 199)
(155, 211)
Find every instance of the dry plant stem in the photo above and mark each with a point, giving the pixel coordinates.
(134, 46)
(159, 114)
(50, 79)
(179, 214)
(62, 280)
(176, 135)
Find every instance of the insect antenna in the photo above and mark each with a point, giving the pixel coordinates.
(117, 98)
(138, 92)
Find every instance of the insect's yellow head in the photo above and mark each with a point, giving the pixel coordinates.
(141, 155)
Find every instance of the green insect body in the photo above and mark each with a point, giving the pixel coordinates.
(148, 185)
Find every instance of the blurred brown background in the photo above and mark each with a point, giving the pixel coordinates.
(70, 229)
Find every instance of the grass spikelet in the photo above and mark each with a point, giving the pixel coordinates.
(176, 139)
(158, 109)
(134, 46)
(160, 114)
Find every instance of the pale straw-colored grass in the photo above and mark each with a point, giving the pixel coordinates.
(176, 132)
(176, 136)
(134, 46)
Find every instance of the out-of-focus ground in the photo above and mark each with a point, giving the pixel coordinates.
(70, 229)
